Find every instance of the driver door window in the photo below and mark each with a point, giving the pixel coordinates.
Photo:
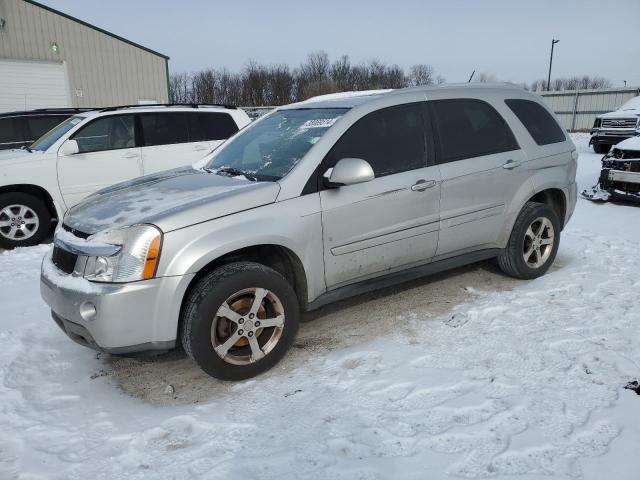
(107, 154)
(109, 133)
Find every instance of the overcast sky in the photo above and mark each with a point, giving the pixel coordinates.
(508, 38)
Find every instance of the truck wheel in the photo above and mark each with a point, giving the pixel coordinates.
(24, 220)
(601, 148)
(239, 320)
(533, 244)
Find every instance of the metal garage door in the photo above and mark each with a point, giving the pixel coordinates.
(29, 85)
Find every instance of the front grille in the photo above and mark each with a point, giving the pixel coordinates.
(65, 261)
(619, 122)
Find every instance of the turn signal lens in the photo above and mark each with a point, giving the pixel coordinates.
(151, 262)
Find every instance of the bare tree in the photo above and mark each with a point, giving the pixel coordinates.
(485, 77)
(421, 74)
(259, 85)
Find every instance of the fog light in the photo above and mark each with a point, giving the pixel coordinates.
(87, 311)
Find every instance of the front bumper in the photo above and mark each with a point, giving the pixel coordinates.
(128, 318)
(610, 137)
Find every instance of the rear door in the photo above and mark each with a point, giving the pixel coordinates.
(165, 141)
(482, 168)
(175, 139)
(391, 222)
(108, 154)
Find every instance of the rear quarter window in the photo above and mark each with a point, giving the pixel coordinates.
(542, 127)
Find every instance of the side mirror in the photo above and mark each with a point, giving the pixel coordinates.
(349, 171)
(70, 147)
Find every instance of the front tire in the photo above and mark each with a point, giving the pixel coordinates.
(239, 320)
(601, 148)
(24, 220)
(533, 243)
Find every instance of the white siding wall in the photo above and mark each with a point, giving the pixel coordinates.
(587, 104)
(107, 71)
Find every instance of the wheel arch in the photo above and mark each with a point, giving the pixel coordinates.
(554, 198)
(36, 191)
(278, 257)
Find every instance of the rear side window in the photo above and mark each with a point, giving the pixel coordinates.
(163, 128)
(11, 130)
(470, 128)
(391, 140)
(537, 120)
(210, 126)
(107, 133)
(39, 125)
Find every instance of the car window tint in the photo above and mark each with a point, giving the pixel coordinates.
(10, 130)
(164, 128)
(392, 140)
(537, 120)
(38, 126)
(108, 133)
(210, 126)
(470, 128)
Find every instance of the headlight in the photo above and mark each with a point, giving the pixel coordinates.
(136, 260)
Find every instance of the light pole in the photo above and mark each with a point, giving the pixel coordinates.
(553, 42)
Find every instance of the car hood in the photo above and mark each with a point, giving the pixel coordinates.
(170, 200)
(634, 112)
(630, 144)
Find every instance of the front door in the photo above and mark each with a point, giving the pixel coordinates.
(482, 168)
(107, 155)
(391, 222)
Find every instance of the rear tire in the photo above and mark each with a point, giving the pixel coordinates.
(601, 148)
(533, 243)
(239, 320)
(24, 220)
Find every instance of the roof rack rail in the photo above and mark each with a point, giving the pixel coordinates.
(188, 105)
(66, 109)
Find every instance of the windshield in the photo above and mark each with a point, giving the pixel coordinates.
(269, 149)
(52, 136)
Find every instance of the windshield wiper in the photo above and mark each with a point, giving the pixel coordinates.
(232, 171)
(28, 149)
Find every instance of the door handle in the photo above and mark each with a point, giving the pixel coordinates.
(130, 155)
(200, 148)
(511, 164)
(422, 185)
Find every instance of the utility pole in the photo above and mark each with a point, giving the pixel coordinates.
(553, 42)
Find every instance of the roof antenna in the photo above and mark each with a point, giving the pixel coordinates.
(472, 74)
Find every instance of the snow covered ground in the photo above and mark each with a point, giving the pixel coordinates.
(521, 383)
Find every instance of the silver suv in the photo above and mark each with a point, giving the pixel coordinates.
(312, 203)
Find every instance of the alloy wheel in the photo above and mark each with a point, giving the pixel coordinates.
(538, 242)
(18, 222)
(247, 326)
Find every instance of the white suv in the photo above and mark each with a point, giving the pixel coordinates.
(96, 149)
